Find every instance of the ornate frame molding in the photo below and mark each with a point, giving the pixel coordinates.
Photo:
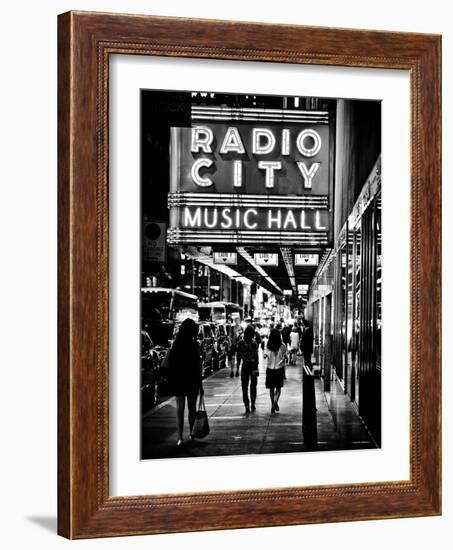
(86, 40)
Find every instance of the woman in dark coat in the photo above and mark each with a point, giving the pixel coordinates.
(185, 375)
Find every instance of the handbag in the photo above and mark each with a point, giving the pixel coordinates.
(200, 427)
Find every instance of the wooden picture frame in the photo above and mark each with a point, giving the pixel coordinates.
(85, 41)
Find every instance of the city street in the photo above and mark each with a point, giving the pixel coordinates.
(235, 433)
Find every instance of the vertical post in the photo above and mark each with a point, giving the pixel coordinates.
(328, 340)
(346, 310)
(175, 163)
(309, 421)
(354, 312)
(193, 276)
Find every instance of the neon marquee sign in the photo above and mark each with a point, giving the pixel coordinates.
(237, 182)
(254, 218)
(263, 142)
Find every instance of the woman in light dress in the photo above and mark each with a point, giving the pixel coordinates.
(275, 357)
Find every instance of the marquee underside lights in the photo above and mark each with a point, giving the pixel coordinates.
(251, 114)
(288, 259)
(177, 236)
(243, 252)
(225, 269)
(244, 200)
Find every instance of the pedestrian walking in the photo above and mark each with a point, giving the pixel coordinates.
(233, 352)
(300, 330)
(286, 331)
(275, 357)
(286, 339)
(185, 374)
(248, 353)
(307, 344)
(264, 334)
(257, 336)
(294, 345)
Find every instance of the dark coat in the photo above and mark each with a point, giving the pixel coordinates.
(307, 341)
(286, 331)
(184, 368)
(248, 353)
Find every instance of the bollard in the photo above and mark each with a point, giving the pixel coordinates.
(309, 424)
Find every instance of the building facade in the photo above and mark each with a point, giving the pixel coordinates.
(346, 292)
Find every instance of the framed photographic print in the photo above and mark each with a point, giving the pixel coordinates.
(249, 275)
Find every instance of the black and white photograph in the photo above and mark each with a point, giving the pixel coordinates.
(260, 274)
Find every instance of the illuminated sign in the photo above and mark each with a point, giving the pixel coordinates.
(306, 259)
(242, 182)
(240, 225)
(277, 219)
(226, 258)
(264, 258)
(220, 158)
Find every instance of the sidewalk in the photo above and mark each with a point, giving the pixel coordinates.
(235, 433)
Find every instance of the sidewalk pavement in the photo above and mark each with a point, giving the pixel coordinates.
(232, 432)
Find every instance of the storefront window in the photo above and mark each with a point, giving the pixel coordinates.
(378, 282)
(350, 309)
(356, 318)
(342, 319)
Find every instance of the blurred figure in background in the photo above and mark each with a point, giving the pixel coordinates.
(286, 339)
(233, 354)
(294, 345)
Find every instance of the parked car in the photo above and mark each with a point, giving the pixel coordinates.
(207, 349)
(162, 369)
(149, 372)
(163, 310)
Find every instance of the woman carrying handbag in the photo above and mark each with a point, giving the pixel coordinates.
(185, 374)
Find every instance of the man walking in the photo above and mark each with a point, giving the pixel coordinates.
(248, 352)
